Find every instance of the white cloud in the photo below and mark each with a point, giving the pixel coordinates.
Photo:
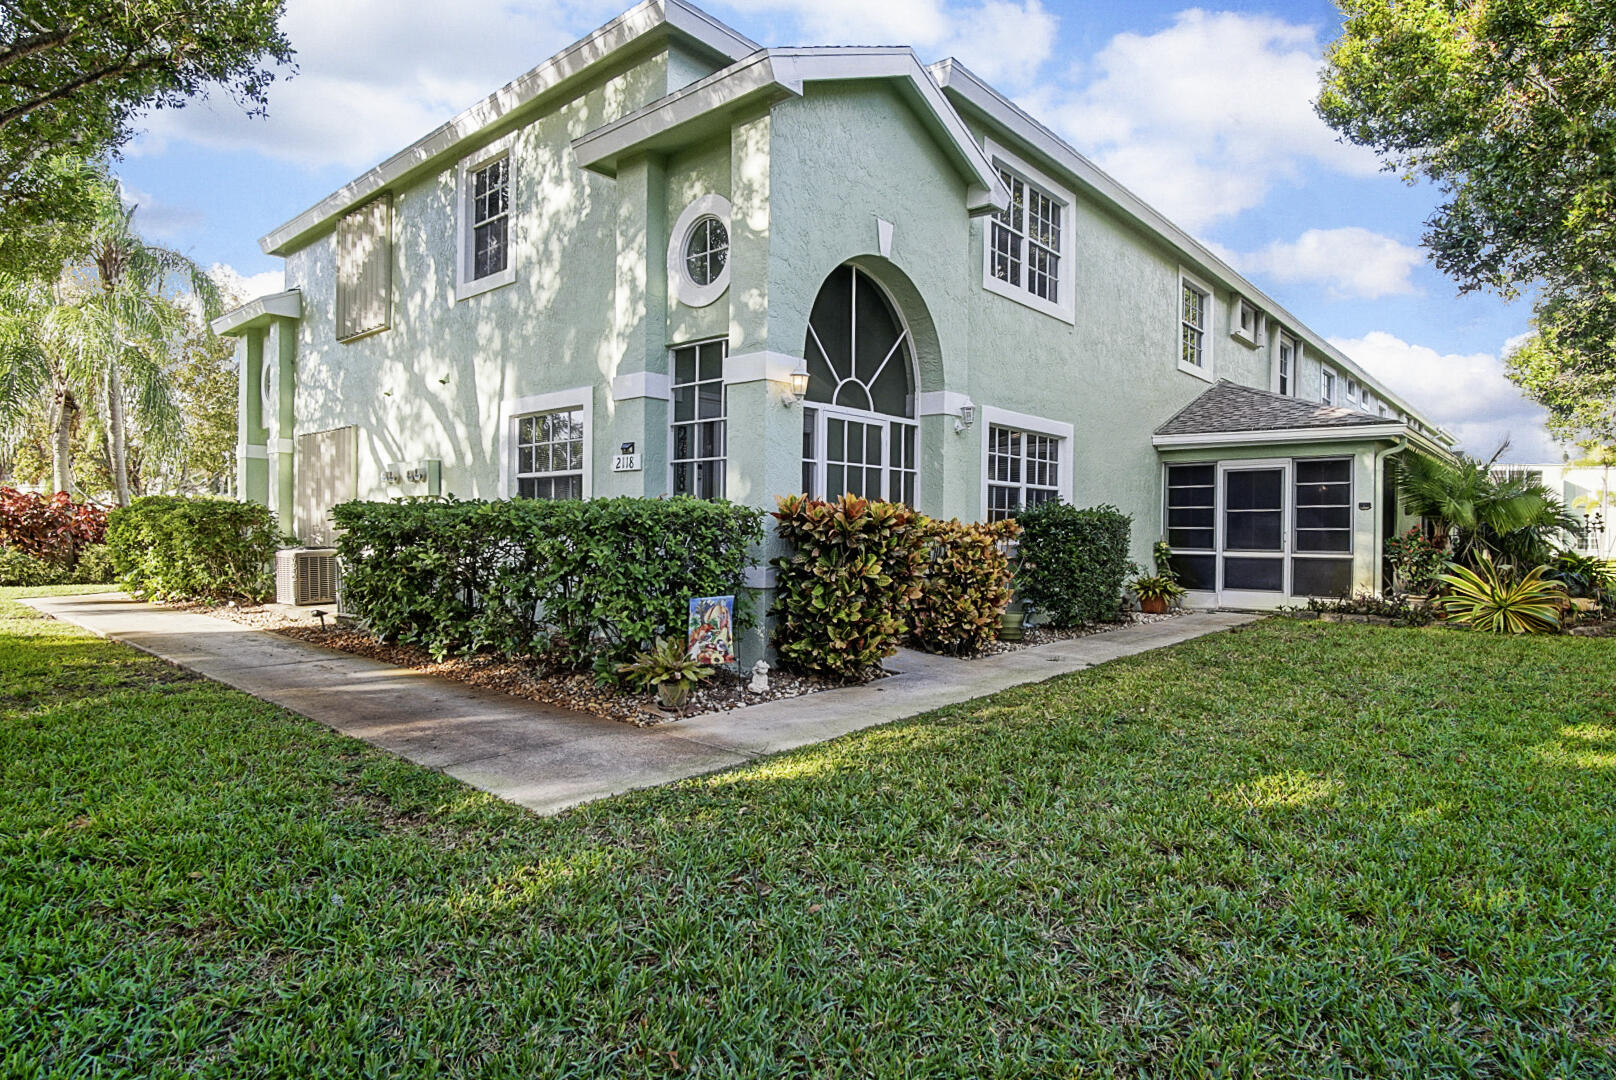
(1204, 117)
(374, 75)
(158, 219)
(1348, 264)
(240, 288)
(1466, 393)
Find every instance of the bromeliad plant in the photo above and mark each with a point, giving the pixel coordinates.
(1584, 577)
(667, 668)
(1490, 598)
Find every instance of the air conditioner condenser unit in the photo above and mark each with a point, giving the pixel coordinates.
(306, 576)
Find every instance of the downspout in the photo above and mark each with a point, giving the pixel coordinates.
(1380, 518)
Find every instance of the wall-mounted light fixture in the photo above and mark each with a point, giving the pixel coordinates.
(394, 473)
(799, 385)
(967, 417)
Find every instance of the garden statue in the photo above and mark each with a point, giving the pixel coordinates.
(760, 678)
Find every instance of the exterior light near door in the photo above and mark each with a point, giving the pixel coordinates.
(967, 417)
(799, 384)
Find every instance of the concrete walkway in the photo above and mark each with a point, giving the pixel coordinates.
(546, 758)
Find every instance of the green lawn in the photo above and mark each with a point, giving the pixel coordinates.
(1296, 850)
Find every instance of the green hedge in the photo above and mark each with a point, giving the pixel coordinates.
(586, 583)
(843, 594)
(94, 567)
(175, 548)
(1073, 562)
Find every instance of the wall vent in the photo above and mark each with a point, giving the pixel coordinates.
(306, 576)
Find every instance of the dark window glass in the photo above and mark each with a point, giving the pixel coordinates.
(1193, 539)
(1254, 489)
(1257, 575)
(1196, 571)
(1253, 530)
(1321, 577)
(1333, 471)
(1323, 517)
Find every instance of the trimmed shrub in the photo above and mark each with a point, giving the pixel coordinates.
(1073, 562)
(50, 528)
(95, 566)
(964, 586)
(19, 568)
(585, 583)
(176, 548)
(845, 589)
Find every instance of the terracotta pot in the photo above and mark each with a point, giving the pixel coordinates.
(673, 695)
(1153, 605)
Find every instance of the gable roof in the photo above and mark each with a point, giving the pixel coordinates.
(1230, 407)
(775, 74)
(646, 21)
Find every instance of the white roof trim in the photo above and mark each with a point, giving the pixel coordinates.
(560, 68)
(958, 80)
(1349, 433)
(785, 72)
(285, 305)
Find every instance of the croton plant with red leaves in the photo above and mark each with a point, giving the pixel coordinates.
(52, 528)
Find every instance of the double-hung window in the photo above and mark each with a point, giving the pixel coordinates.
(1029, 241)
(1023, 471)
(698, 459)
(1195, 305)
(486, 232)
(550, 454)
(1327, 386)
(1287, 365)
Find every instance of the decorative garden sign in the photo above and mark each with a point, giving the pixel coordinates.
(712, 629)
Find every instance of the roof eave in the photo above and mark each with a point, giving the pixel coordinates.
(776, 74)
(649, 22)
(259, 312)
(960, 82)
(1342, 433)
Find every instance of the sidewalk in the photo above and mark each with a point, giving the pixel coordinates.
(545, 758)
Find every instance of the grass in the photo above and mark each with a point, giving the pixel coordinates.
(1295, 850)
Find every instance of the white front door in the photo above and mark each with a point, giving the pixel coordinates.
(1253, 533)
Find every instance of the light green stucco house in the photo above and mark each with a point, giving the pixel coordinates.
(668, 260)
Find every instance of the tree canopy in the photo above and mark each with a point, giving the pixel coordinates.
(75, 75)
(1509, 107)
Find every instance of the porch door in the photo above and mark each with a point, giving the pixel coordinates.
(1253, 540)
(855, 455)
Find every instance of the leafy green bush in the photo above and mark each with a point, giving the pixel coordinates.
(177, 548)
(1417, 561)
(1394, 606)
(1491, 598)
(964, 585)
(584, 583)
(844, 591)
(95, 566)
(20, 568)
(1073, 562)
(1584, 577)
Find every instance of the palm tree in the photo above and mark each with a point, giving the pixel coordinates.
(1466, 502)
(40, 358)
(136, 329)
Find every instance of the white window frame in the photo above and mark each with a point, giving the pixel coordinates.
(1285, 378)
(465, 285)
(1238, 307)
(685, 290)
(1206, 369)
(513, 409)
(1327, 385)
(722, 418)
(1065, 306)
(991, 417)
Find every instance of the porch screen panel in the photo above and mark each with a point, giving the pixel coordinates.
(1192, 523)
(1322, 564)
(364, 269)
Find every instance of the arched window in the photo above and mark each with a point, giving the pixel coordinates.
(859, 436)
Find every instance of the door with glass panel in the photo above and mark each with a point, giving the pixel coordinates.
(1253, 532)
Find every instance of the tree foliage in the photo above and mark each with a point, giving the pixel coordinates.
(1509, 107)
(1482, 511)
(75, 75)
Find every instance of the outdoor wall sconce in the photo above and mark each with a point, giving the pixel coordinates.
(799, 385)
(394, 473)
(967, 417)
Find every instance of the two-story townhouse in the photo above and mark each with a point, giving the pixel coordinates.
(668, 260)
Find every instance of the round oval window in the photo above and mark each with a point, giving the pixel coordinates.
(706, 251)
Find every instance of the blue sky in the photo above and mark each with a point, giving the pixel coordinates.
(1205, 111)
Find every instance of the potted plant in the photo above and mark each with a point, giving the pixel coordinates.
(669, 669)
(1156, 592)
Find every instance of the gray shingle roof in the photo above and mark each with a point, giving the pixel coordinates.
(1230, 407)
